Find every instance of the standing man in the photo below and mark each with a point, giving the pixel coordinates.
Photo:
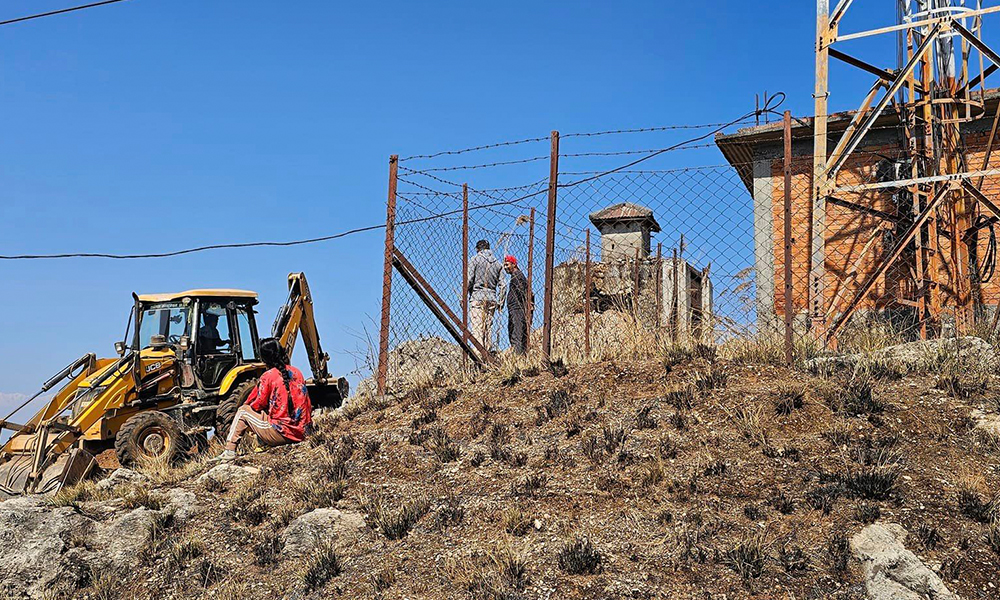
(517, 306)
(484, 277)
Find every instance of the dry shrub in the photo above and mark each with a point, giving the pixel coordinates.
(747, 419)
(713, 378)
(381, 580)
(975, 501)
(867, 512)
(838, 550)
(681, 399)
(747, 557)
(503, 575)
(393, 521)
(515, 521)
(556, 405)
(789, 399)
(84, 491)
(136, 496)
(579, 556)
(324, 564)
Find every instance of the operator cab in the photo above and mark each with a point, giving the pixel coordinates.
(212, 331)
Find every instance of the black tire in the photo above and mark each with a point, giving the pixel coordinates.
(226, 412)
(150, 433)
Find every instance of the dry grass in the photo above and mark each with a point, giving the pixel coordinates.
(748, 420)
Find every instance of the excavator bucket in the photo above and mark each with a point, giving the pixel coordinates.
(328, 395)
(17, 474)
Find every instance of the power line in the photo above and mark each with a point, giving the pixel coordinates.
(58, 12)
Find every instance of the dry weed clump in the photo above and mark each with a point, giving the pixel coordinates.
(838, 550)
(381, 580)
(450, 512)
(714, 378)
(789, 399)
(974, 500)
(556, 405)
(324, 564)
(867, 512)
(579, 556)
(748, 556)
(515, 521)
(395, 522)
(747, 419)
(681, 399)
(501, 575)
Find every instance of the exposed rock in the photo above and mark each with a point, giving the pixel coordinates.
(891, 571)
(914, 356)
(415, 361)
(35, 539)
(182, 503)
(120, 477)
(123, 538)
(988, 423)
(227, 473)
(320, 526)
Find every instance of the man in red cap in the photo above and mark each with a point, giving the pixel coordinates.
(517, 306)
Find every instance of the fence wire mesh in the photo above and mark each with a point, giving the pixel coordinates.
(685, 255)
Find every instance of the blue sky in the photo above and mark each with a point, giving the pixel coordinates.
(153, 125)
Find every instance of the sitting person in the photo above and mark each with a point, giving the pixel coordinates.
(278, 410)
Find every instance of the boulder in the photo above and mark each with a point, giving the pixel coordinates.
(37, 541)
(120, 477)
(228, 473)
(891, 571)
(415, 361)
(123, 538)
(914, 356)
(318, 527)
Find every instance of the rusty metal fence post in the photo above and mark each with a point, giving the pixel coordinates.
(465, 267)
(390, 237)
(789, 309)
(530, 300)
(550, 244)
(586, 302)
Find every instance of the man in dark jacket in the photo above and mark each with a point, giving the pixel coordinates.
(517, 306)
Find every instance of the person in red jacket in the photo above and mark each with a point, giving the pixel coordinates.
(278, 409)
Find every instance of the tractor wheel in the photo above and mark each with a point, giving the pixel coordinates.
(152, 434)
(226, 412)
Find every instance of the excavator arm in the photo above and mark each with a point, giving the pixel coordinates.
(295, 317)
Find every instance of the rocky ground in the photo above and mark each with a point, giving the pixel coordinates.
(681, 477)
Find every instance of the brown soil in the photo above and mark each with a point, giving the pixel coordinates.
(670, 532)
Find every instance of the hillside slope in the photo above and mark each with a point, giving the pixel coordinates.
(685, 477)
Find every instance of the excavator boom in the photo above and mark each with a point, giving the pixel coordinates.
(296, 317)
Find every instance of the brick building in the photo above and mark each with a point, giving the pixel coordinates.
(858, 226)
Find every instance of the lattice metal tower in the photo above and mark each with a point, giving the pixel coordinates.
(938, 85)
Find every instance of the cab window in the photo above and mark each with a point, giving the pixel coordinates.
(169, 319)
(214, 331)
(248, 344)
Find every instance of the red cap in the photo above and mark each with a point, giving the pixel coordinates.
(509, 258)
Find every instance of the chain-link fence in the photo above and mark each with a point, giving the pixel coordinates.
(646, 254)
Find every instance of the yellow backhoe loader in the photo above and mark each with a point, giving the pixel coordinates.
(191, 360)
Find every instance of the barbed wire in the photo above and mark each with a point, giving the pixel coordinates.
(650, 129)
(486, 165)
(474, 149)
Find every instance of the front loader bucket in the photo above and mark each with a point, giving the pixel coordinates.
(69, 468)
(328, 395)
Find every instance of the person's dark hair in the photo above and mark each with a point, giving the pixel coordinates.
(482, 245)
(274, 356)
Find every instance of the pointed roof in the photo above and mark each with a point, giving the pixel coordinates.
(624, 211)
